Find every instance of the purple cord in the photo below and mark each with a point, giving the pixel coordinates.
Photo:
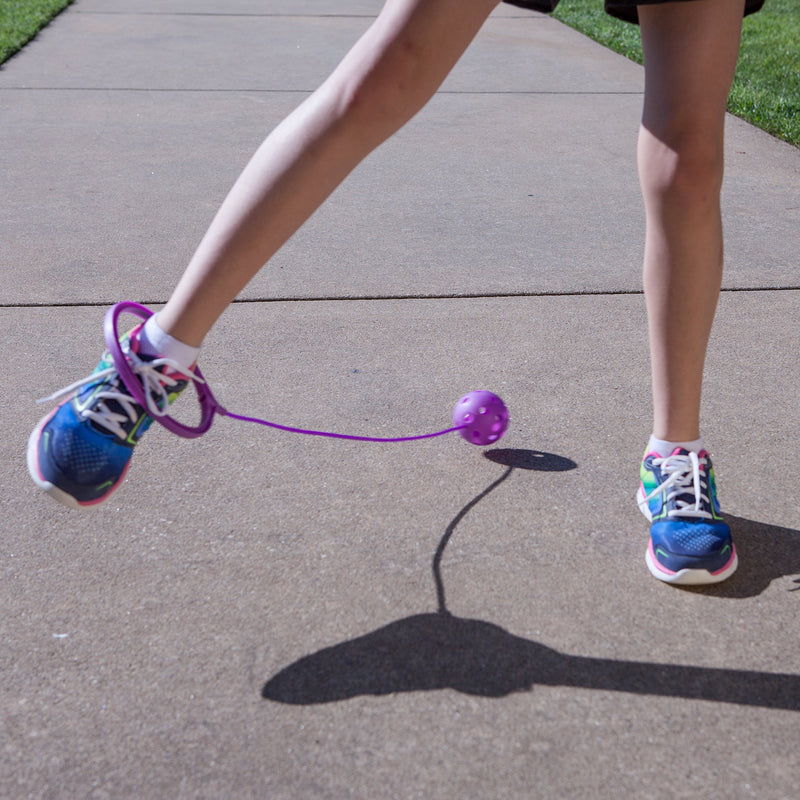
(226, 413)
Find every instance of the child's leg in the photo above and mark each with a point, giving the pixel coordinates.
(386, 78)
(80, 452)
(690, 52)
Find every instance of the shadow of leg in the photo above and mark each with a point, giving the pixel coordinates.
(766, 553)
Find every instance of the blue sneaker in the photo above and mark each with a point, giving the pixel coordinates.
(689, 541)
(79, 453)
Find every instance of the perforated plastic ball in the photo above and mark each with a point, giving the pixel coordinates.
(484, 416)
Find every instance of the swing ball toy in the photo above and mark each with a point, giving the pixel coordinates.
(481, 416)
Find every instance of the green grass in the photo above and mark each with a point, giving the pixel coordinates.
(21, 20)
(766, 88)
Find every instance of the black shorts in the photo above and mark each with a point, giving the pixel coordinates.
(622, 9)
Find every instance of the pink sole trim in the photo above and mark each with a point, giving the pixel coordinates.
(695, 577)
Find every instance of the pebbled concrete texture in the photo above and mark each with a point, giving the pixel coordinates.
(259, 614)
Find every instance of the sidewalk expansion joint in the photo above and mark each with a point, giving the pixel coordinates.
(388, 297)
(252, 90)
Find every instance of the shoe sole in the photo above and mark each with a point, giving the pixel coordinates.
(690, 577)
(32, 457)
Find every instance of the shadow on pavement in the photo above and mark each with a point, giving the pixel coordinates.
(766, 553)
(441, 651)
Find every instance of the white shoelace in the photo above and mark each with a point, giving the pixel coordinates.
(154, 383)
(684, 478)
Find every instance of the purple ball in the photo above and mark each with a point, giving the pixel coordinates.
(484, 417)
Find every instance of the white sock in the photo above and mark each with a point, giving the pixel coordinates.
(665, 449)
(154, 342)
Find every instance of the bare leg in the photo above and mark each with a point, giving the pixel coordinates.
(387, 77)
(690, 54)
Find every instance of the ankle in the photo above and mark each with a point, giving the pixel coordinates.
(154, 341)
(665, 447)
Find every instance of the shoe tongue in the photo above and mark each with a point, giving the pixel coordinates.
(131, 339)
(129, 343)
(679, 451)
(689, 497)
(682, 451)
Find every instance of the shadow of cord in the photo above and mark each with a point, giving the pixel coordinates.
(440, 651)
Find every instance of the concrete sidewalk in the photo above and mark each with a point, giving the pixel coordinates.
(262, 615)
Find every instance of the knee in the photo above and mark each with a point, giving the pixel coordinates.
(684, 174)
